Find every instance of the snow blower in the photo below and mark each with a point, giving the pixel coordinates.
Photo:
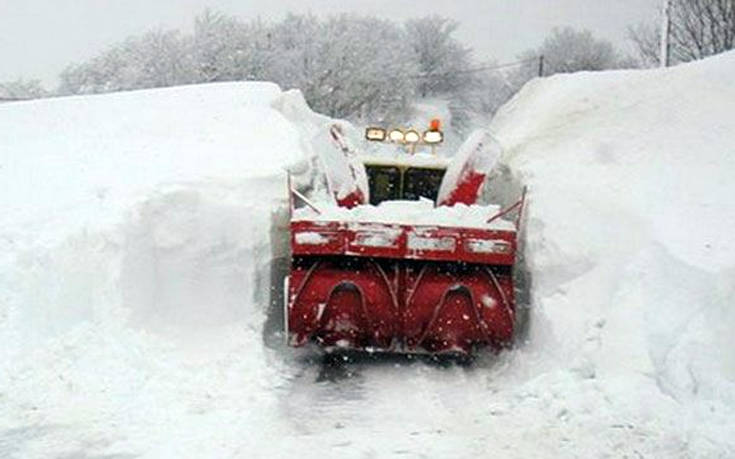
(403, 258)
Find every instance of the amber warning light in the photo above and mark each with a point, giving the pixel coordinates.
(434, 135)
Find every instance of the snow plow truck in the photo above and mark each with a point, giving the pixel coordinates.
(404, 259)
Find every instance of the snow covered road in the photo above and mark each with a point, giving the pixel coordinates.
(137, 244)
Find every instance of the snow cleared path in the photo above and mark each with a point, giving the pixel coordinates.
(137, 239)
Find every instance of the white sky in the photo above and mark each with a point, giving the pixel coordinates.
(38, 38)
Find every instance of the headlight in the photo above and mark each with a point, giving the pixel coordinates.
(396, 135)
(488, 246)
(432, 137)
(375, 134)
(314, 238)
(412, 136)
(416, 242)
(376, 238)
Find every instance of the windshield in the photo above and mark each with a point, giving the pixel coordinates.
(422, 183)
(394, 183)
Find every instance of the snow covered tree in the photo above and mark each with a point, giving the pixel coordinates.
(565, 50)
(443, 60)
(445, 67)
(156, 59)
(346, 66)
(568, 50)
(296, 42)
(22, 89)
(227, 49)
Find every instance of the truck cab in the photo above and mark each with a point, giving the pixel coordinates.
(409, 178)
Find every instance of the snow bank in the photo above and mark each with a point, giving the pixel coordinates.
(147, 181)
(137, 239)
(62, 155)
(630, 237)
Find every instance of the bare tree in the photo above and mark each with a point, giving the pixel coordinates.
(497, 88)
(699, 28)
(647, 40)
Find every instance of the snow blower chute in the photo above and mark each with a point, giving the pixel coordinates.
(403, 259)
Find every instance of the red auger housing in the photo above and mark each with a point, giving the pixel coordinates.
(409, 265)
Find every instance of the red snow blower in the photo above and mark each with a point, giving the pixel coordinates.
(403, 258)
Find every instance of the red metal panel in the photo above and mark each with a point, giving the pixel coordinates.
(317, 238)
(372, 240)
(467, 188)
(399, 306)
(471, 235)
(347, 303)
(450, 311)
(407, 242)
(353, 199)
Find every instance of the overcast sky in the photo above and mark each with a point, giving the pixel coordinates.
(38, 38)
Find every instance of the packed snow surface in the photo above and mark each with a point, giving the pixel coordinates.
(422, 212)
(140, 230)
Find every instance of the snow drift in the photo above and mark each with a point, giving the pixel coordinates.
(630, 236)
(137, 241)
(137, 200)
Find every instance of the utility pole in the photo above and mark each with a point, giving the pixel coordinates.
(665, 32)
(541, 65)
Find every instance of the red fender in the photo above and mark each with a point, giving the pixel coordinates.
(454, 311)
(466, 175)
(346, 176)
(358, 310)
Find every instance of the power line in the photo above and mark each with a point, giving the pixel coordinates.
(484, 68)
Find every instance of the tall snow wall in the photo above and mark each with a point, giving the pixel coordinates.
(136, 238)
(629, 232)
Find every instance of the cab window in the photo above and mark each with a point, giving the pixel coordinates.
(384, 182)
(394, 183)
(422, 183)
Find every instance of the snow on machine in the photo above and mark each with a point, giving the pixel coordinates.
(404, 259)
